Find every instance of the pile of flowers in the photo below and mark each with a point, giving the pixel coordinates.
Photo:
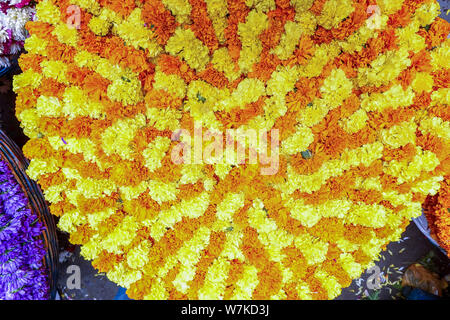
(14, 14)
(437, 211)
(22, 275)
(355, 92)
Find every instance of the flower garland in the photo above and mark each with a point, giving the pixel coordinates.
(22, 276)
(14, 14)
(437, 211)
(360, 101)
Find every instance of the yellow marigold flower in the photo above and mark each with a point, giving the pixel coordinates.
(116, 139)
(218, 11)
(399, 136)
(27, 79)
(334, 12)
(393, 98)
(385, 68)
(246, 285)
(92, 5)
(251, 45)
(49, 106)
(390, 6)
(125, 90)
(330, 284)
(138, 256)
(353, 268)
(135, 33)
(39, 167)
(122, 277)
(289, 40)
(301, 140)
(48, 12)
(223, 62)
(100, 26)
(302, 5)
(440, 56)
(156, 152)
(408, 37)
(36, 45)
(437, 127)
(179, 8)
(423, 82)
(428, 187)
(53, 193)
(307, 20)
(189, 48)
(314, 250)
(171, 83)
(66, 35)
(426, 13)
(355, 122)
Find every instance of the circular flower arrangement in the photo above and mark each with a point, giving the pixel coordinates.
(22, 274)
(353, 95)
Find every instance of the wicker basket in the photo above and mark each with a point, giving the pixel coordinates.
(12, 154)
(7, 70)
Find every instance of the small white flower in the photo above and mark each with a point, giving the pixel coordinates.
(3, 35)
(4, 62)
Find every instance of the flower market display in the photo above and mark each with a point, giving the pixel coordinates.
(352, 95)
(14, 14)
(22, 274)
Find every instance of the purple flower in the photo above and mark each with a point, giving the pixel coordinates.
(22, 273)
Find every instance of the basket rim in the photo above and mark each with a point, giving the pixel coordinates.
(422, 224)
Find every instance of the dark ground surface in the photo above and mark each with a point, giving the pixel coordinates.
(413, 246)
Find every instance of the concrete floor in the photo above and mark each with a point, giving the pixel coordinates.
(413, 247)
(93, 285)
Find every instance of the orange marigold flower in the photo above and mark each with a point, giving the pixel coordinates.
(155, 14)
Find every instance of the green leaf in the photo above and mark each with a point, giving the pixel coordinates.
(200, 98)
(397, 285)
(374, 295)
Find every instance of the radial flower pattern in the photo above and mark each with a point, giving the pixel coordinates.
(358, 91)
